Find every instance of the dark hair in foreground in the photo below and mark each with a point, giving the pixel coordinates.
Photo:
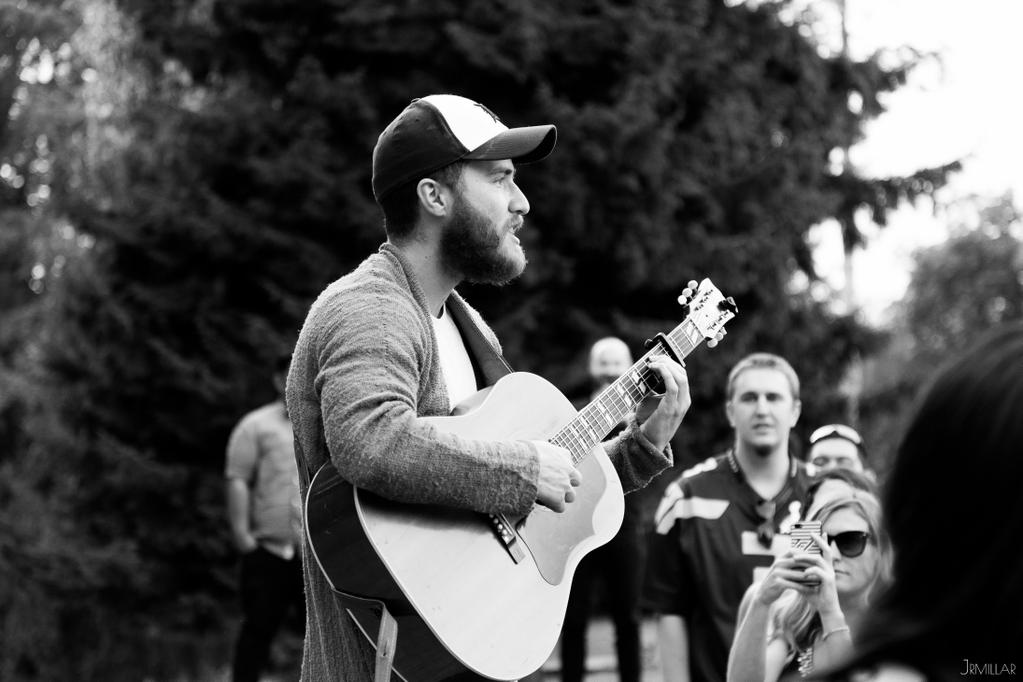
(954, 512)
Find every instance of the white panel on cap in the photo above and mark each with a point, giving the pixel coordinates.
(471, 123)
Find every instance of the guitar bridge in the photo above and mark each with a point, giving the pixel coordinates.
(505, 532)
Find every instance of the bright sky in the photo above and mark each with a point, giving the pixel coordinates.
(969, 107)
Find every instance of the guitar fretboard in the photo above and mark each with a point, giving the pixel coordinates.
(615, 402)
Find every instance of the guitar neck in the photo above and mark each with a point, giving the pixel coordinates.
(621, 398)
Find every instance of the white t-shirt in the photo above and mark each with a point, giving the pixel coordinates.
(454, 359)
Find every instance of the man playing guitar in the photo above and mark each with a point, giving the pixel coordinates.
(392, 343)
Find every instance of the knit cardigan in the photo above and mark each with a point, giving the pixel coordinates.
(365, 369)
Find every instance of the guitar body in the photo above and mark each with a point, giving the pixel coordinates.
(461, 600)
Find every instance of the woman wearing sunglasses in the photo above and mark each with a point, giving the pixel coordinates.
(804, 614)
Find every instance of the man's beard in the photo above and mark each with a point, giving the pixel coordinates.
(471, 247)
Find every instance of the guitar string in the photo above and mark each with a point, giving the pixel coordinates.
(596, 415)
(575, 441)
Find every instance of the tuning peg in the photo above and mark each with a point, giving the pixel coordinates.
(689, 292)
(716, 339)
(729, 305)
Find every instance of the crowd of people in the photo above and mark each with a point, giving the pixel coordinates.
(915, 580)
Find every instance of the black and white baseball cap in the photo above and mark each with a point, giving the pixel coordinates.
(438, 130)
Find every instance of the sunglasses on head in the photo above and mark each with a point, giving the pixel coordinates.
(836, 431)
(851, 543)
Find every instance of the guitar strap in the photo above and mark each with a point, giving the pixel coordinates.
(387, 633)
(387, 642)
(489, 364)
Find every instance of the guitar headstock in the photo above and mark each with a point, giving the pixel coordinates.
(708, 309)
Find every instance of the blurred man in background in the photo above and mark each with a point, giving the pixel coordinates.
(837, 446)
(264, 511)
(616, 566)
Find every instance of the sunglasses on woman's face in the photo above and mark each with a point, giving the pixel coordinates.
(851, 543)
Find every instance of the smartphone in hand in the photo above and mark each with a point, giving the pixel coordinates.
(801, 540)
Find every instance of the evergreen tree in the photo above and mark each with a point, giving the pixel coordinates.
(39, 564)
(694, 141)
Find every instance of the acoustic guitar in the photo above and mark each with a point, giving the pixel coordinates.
(485, 595)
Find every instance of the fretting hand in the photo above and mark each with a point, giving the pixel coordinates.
(664, 421)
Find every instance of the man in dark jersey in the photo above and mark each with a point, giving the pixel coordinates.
(720, 524)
